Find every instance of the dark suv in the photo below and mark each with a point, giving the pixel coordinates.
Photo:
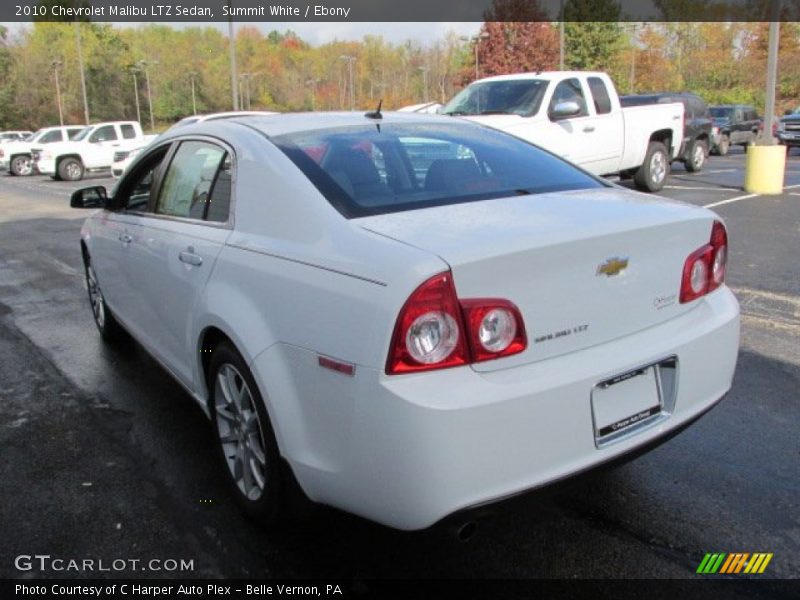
(697, 124)
(789, 129)
(737, 123)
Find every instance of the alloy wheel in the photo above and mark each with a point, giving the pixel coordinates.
(658, 167)
(240, 433)
(95, 297)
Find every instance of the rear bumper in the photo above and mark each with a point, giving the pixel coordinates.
(409, 450)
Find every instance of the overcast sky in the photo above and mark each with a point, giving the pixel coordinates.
(320, 33)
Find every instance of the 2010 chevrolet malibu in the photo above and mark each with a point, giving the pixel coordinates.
(417, 314)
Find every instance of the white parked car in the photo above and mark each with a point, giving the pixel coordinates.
(577, 115)
(122, 158)
(418, 314)
(14, 136)
(15, 157)
(92, 150)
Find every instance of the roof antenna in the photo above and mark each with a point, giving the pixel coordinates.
(377, 113)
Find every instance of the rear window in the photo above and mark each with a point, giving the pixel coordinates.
(379, 168)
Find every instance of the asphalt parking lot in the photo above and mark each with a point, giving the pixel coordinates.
(105, 456)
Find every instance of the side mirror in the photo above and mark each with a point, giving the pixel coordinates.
(90, 197)
(563, 110)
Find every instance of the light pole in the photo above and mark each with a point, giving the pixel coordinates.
(143, 65)
(234, 77)
(476, 40)
(350, 60)
(245, 95)
(192, 75)
(83, 75)
(632, 79)
(561, 36)
(56, 66)
(135, 70)
(424, 82)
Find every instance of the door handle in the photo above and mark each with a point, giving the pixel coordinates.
(125, 238)
(588, 129)
(190, 258)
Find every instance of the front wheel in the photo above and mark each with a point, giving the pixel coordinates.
(109, 328)
(651, 176)
(246, 442)
(22, 166)
(697, 156)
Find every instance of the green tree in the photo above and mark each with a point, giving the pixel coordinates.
(592, 34)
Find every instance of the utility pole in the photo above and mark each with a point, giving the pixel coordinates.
(134, 70)
(245, 95)
(83, 75)
(56, 66)
(234, 76)
(632, 78)
(312, 83)
(350, 61)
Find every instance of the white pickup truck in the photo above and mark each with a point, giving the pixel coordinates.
(92, 150)
(15, 157)
(577, 116)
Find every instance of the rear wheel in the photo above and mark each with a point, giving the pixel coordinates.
(246, 441)
(653, 173)
(70, 169)
(697, 156)
(724, 146)
(22, 165)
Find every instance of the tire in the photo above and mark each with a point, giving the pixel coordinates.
(22, 165)
(724, 146)
(70, 169)
(697, 156)
(650, 177)
(109, 328)
(244, 434)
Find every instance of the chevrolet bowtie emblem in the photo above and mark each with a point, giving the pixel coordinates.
(613, 266)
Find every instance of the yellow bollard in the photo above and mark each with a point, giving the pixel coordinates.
(764, 169)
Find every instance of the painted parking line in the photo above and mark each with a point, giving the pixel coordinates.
(691, 187)
(745, 197)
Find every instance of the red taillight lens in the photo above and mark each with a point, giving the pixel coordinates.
(429, 330)
(435, 331)
(704, 269)
(495, 328)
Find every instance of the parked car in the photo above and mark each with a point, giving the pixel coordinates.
(697, 124)
(788, 130)
(412, 334)
(122, 158)
(737, 123)
(16, 157)
(91, 150)
(13, 136)
(577, 115)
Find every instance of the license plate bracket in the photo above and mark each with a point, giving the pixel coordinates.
(626, 403)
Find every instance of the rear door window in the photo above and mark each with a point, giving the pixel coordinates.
(188, 187)
(106, 133)
(128, 132)
(602, 101)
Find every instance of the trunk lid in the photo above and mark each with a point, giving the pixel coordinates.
(561, 258)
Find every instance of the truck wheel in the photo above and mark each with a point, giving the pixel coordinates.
(697, 156)
(22, 165)
(724, 145)
(70, 169)
(651, 176)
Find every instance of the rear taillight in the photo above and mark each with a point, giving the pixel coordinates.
(435, 331)
(704, 269)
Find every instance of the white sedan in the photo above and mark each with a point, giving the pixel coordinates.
(417, 314)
